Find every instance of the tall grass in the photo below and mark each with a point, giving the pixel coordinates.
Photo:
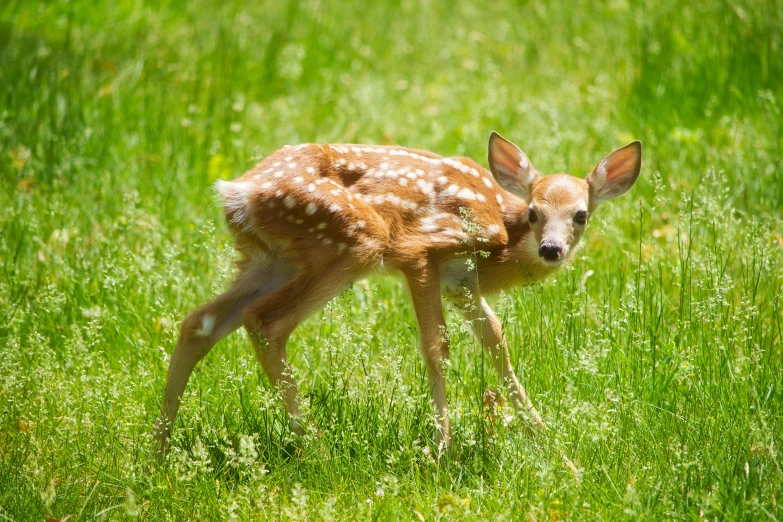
(655, 358)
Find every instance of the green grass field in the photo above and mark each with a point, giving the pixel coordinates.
(656, 358)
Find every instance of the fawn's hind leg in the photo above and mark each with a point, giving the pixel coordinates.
(202, 329)
(270, 321)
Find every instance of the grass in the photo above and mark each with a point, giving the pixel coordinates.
(655, 358)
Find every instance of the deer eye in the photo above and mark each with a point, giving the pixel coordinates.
(532, 217)
(580, 218)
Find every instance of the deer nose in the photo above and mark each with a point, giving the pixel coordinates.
(550, 251)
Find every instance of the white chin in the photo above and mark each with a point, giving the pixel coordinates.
(552, 262)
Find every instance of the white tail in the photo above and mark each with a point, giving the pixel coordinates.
(310, 219)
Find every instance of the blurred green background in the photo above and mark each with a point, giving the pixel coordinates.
(655, 358)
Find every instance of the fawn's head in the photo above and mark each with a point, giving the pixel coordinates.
(559, 205)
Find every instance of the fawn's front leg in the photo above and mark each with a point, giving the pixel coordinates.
(487, 329)
(424, 286)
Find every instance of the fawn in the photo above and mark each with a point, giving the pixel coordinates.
(310, 219)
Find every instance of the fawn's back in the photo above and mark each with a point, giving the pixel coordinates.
(365, 201)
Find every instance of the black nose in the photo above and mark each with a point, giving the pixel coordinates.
(550, 251)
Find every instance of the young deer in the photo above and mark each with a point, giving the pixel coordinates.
(310, 219)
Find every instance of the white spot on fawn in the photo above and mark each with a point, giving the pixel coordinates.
(428, 222)
(458, 165)
(426, 187)
(289, 202)
(487, 182)
(207, 326)
(450, 190)
(310, 209)
(467, 195)
(310, 170)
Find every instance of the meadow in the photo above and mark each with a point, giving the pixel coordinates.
(656, 358)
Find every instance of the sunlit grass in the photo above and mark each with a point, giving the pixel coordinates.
(655, 358)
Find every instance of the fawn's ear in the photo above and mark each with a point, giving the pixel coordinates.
(616, 173)
(511, 168)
